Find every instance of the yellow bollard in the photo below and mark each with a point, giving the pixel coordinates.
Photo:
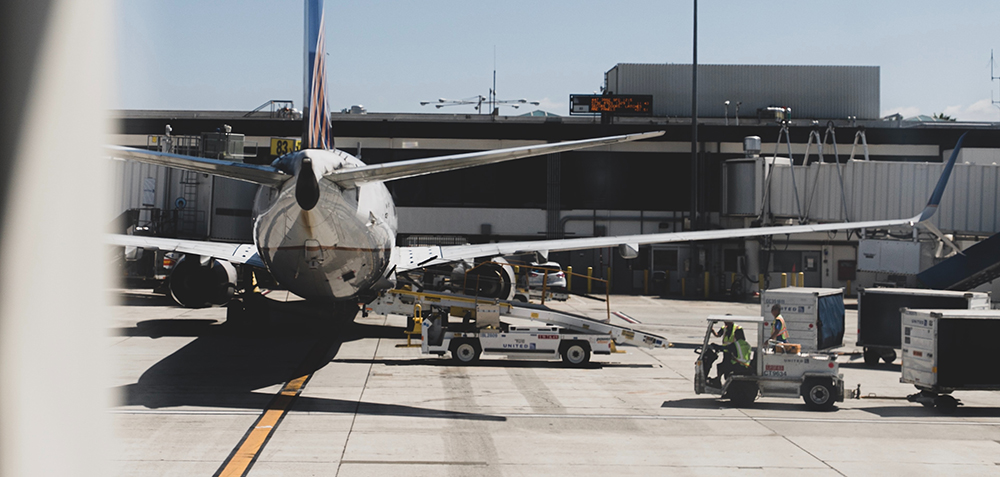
(784, 280)
(645, 282)
(569, 277)
(590, 274)
(848, 288)
(795, 279)
(732, 279)
(683, 286)
(802, 279)
(760, 282)
(706, 284)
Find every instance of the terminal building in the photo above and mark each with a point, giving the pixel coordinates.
(824, 156)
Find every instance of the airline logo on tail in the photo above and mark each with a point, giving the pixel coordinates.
(318, 120)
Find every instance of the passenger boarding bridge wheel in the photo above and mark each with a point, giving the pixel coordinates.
(465, 351)
(576, 354)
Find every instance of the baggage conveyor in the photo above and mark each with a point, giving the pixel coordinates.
(504, 327)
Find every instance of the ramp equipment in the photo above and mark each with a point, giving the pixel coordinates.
(411, 304)
(976, 265)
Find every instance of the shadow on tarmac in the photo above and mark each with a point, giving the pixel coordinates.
(908, 409)
(227, 363)
(718, 403)
(490, 363)
(896, 368)
(141, 299)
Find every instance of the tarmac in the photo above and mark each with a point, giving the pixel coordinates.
(299, 395)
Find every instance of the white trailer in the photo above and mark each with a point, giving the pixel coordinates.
(516, 330)
(814, 316)
(949, 350)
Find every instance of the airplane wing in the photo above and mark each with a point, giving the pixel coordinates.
(418, 167)
(416, 257)
(233, 252)
(257, 174)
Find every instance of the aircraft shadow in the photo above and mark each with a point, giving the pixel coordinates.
(136, 299)
(226, 365)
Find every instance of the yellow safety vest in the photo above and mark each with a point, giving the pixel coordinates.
(783, 336)
(730, 337)
(742, 355)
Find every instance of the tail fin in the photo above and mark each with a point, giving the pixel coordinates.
(316, 133)
(932, 205)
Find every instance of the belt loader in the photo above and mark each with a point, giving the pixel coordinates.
(513, 329)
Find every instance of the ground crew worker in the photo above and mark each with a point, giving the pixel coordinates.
(780, 333)
(735, 359)
(739, 356)
(728, 332)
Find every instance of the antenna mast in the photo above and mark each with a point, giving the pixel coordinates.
(992, 79)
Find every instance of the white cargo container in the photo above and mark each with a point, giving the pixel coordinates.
(814, 316)
(948, 350)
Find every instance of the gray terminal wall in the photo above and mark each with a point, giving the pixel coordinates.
(815, 92)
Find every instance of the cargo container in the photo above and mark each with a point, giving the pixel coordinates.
(879, 315)
(814, 316)
(948, 350)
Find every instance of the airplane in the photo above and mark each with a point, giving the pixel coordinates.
(325, 224)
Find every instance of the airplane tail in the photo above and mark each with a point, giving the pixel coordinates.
(316, 134)
(932, 204)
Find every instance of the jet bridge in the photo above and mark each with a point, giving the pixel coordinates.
(410, 304)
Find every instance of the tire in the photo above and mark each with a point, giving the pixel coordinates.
(576, 354)
(465, 352)
(871, 356)
(742, 393)
(888, 356)
(946, 404)
(819, 394)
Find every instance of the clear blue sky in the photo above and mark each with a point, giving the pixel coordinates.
(389, 55)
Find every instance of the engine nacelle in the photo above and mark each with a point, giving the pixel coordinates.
(493, 279)
(198, 283)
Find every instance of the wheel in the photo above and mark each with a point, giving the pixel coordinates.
(871, 356)
(818, 394)
(888, 356)
(465, 352)
(742, 393)
(576, 354)
(946, 403)
(520, 298)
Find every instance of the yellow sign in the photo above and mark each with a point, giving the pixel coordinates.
(280, 147)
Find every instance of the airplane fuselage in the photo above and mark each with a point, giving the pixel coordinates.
(337, 249)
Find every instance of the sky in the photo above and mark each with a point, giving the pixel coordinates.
(390, 55)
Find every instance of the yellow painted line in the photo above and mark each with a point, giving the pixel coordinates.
(246, 452)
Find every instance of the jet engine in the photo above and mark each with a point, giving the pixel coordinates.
(494, 279)
(201, 282)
